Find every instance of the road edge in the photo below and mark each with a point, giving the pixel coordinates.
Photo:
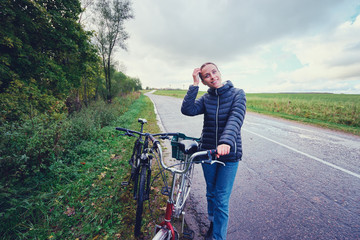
(190, 212)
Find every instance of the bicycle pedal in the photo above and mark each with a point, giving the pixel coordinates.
(146, 197)
(125, 183)
(188, 234)
(165, 191)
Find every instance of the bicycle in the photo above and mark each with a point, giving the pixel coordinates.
(140, 162)
(186, 151)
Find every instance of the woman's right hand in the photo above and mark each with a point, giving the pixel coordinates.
(196, 76)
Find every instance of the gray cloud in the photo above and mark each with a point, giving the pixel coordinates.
(227, 28)
(247, 39)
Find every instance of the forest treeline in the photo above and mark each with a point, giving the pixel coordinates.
(49, 63)
(51, 68)
(60, 94)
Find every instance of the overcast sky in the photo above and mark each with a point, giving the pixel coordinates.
(260, 45)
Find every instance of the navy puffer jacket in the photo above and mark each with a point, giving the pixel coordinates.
(224, 111)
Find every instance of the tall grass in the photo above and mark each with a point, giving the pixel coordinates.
(336, 111)
(62, 179)
(339, 111)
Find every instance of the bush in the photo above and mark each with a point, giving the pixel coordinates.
(40, 153)
(28, 146)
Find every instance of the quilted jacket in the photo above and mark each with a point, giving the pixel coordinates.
(224, 111)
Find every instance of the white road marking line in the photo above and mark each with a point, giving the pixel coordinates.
(307, 155)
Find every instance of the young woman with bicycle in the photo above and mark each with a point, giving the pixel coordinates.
(224, 108)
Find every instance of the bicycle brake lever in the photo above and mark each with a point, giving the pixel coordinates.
(216, 161)
(128, 134)
(210, 161)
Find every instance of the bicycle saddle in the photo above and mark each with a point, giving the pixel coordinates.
(188, 146)
(142, 120)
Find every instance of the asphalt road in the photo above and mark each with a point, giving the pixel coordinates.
(295, 181)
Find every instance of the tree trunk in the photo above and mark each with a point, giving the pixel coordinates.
(109, 80)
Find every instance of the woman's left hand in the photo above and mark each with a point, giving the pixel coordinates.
(222, 149)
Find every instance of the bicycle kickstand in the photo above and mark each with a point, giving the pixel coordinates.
(186, 231)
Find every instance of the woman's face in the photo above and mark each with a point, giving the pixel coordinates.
(211, 76)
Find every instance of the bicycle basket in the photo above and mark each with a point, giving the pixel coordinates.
(175, 149)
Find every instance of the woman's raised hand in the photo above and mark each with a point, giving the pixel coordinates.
(196, 76)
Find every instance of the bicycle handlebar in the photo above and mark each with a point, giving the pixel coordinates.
(208, 153)
(209, 160)
(131, 133)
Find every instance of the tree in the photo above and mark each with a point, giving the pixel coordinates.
(111, 16)
(43, 51)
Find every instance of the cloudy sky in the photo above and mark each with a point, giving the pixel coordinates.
(260, 45)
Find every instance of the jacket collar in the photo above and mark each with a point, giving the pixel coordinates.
(219, 91)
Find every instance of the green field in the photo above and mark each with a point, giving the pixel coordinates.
(335, 111)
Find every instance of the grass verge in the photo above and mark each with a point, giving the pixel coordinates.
(78, 195)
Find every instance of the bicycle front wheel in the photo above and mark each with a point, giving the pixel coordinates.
(140, 201)
(162, 234)
(165, 234)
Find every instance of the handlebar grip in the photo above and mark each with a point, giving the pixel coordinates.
(212, 151)
(121, 129)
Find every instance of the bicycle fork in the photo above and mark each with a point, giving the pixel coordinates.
(166, 224)
(145, 162)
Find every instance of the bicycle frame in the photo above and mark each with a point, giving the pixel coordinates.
(141, 161)
(184, 189)
(169, 209)
(165, 228)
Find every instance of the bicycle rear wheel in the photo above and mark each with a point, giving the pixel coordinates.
(140, 201)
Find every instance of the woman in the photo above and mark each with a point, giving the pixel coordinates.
(224, 109)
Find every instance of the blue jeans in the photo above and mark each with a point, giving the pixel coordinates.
(219, 182)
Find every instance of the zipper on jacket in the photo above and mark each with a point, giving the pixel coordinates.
(217, 117)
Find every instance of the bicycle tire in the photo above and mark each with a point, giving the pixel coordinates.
(135, 170)
(140, 201)
(164, 234)
(136, 182)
